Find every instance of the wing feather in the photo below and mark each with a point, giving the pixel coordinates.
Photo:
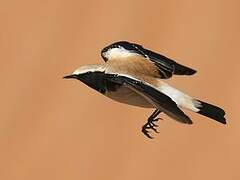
(166, 65)
(162, 101)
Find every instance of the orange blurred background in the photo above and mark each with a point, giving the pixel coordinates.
(52, 128)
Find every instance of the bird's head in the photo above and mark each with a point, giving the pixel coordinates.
(119, 49)
(89, 75)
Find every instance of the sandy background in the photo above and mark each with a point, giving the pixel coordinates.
(52, 128)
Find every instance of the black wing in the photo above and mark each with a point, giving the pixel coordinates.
(167, 67)
(163, 102)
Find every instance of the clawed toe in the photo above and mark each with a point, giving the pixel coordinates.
(150, 124)
(156, 119)
(155, 130)
(146, 133)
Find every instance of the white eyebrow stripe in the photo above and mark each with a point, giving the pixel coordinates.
(89, 68)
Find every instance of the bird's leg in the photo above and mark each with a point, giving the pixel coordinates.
(150, 123)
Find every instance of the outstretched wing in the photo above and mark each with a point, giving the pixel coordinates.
(166, 66)
(160, 100)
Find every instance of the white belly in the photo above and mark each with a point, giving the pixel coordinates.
(128, 96)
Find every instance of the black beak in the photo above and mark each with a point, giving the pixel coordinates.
(72, 76)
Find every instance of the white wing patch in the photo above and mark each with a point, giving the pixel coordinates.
(117, 53)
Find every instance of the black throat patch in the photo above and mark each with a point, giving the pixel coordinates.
(98, 81)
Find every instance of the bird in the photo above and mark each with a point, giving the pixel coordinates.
(134, 75)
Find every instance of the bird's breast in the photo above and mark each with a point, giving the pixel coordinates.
(127, 96)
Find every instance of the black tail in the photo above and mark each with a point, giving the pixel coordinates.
(183, 70)
(212, 111)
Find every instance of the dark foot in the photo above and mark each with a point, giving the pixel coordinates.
(148, 126)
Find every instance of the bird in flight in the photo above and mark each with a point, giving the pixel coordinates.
(134, 75)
